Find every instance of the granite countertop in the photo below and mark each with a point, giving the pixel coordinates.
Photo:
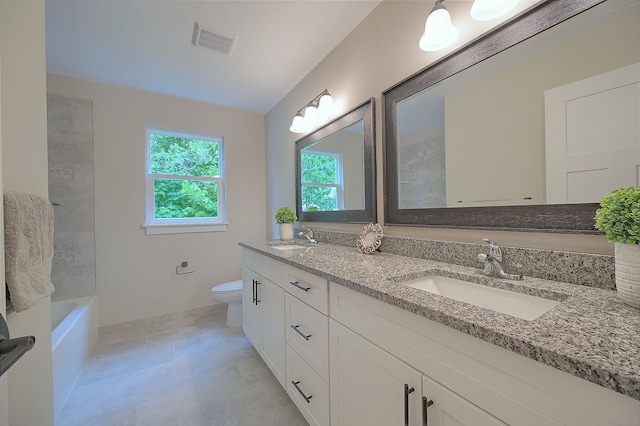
(591, 334)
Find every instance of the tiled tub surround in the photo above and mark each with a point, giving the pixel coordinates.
(70, 153)
(591, 334)
(594, 270)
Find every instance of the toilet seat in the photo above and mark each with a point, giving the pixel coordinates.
(230, 293)
(230, 288)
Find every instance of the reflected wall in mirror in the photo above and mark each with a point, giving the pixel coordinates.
(335, 169)
(469, 132)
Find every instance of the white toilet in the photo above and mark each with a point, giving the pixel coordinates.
(231, 293)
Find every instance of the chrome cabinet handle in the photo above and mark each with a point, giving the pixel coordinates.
(306, 398)
(295, 284)
(305, 336)
(407, 391)
(426, 403)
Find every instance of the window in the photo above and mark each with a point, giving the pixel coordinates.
(321, 181)
(184, 182)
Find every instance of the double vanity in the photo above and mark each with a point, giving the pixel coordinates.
(385, 339)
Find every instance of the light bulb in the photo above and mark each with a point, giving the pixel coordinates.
(485, 10)
(438, 31)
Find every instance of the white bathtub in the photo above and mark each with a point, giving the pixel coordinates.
(74, 331)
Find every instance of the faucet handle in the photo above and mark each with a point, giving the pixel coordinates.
(494, 249)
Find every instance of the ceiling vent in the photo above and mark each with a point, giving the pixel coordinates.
(213, 39)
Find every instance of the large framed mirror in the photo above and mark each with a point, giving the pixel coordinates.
(465, 139)
(335, 169)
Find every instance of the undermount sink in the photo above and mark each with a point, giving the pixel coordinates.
(286, 247)
(504, 301)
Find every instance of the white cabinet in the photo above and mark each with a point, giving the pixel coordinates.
(263, 316)
(307, 332)
(347, 359)
(251, 310)
(307, 337)
(369, 386)
(443, 407)
(307, 390)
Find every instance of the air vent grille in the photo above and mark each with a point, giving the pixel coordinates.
(213, 39)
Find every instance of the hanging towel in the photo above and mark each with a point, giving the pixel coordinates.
(28, 248)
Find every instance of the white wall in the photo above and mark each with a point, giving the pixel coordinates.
(378, 53)
(24, 169)
(135, 273)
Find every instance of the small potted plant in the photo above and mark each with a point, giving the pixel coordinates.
(285, 217)
(619, 217)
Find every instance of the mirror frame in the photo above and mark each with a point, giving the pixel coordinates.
(562, 218)
(364, 111)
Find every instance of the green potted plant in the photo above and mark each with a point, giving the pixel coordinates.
(619, 217)
(285, 217)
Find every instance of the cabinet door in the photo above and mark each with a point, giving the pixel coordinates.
(367, 384)
(251, 308)
(449, 409)
(273, 335)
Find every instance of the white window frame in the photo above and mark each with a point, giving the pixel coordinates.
(339, 185)
(155, 225)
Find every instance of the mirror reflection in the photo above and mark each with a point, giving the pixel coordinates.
(335, 167)
(332, 171)
(478, 138)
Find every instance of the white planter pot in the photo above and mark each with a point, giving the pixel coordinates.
(286, 231)
(627, 262)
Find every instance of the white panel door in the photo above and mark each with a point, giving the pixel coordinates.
(449, 409)
(367, 384)
(251, 311)
(273, 337)
(592, 132)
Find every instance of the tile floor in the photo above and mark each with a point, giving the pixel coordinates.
(180, 369)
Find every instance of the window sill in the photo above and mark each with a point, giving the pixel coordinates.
(158, 229)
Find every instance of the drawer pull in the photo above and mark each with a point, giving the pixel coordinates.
(296, 284)
(306, 398)
(426, 403)
(407, 391)
(295, 327)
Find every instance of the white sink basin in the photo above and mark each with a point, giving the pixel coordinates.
(286, 247)
(507, 302)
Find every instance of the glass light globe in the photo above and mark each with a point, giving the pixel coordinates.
(485, 10)
(438, 31)
(297, 125)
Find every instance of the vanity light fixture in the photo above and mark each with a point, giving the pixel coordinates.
(316, 112)
(438, 30)
(485, 10)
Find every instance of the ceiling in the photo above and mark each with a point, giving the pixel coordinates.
(146, 44)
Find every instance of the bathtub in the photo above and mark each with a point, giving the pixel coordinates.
(74, 331)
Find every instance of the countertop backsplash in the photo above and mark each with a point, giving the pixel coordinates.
(594, 270)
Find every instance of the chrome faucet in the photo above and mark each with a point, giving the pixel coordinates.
(308, 234)
(492, 265)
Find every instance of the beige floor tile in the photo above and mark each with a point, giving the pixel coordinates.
(184, 369)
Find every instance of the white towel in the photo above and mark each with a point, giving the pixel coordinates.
(28, 248)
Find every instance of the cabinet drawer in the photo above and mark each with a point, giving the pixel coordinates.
(308, 334)
(307, 390)
(309, 288)
(269, 268)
